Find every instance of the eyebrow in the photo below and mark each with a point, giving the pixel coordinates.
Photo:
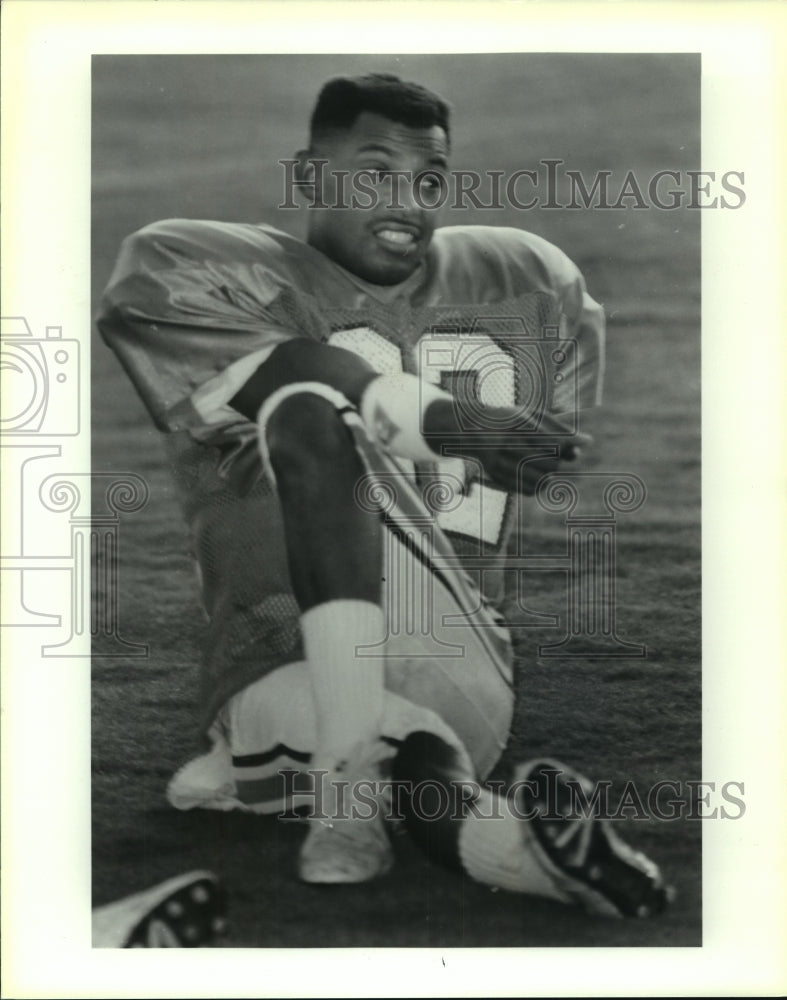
(376, 147)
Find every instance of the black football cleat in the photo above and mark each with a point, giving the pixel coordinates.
(586, 858)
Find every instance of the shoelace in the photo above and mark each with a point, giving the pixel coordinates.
(581, 828)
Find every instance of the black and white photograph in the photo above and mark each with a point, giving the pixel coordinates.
(393, 563)
(511, 594)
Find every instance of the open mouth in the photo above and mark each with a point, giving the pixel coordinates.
(399, 239)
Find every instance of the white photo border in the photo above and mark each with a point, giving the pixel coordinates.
(47, 49)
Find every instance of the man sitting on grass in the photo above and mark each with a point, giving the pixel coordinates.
(353, 420)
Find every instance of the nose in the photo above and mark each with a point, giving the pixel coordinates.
(403, 197)
(407, 192)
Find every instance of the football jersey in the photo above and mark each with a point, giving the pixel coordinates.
(495, 315)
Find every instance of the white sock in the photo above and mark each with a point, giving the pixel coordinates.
(495, 851)
(348, 689)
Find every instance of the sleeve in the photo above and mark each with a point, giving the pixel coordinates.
(190, 310)
(583, 327)
(582, 322)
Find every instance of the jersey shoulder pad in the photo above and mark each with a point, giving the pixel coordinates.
(515, 257)
(223, 246)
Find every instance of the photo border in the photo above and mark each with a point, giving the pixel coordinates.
(46, 187)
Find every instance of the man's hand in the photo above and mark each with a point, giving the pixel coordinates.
(513, 459)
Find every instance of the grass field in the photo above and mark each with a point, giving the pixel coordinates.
(199, 137)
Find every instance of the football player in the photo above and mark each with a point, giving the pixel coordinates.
(351, 419)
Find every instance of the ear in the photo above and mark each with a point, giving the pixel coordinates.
(306, 174)
(304, 170)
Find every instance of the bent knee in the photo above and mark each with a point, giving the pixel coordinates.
(305, 432)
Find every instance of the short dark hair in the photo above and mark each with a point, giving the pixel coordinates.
(343, 98)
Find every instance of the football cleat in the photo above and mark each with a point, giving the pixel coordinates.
(187, 911)
(341, 847)
(584, 856)
(345, 851)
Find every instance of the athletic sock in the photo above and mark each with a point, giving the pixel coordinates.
(348, 688)
(494, 851)
(463, 825)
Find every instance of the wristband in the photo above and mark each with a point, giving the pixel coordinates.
(392, 409)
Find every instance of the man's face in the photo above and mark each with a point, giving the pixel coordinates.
(385, 243)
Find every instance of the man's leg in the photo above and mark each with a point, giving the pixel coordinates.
(336, 562)
(334, 550)
(537, 839)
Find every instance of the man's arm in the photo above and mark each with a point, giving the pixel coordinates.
(303, 360)
(411, 418)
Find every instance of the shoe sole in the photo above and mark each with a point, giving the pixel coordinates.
(341, 878)
(186, 912)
